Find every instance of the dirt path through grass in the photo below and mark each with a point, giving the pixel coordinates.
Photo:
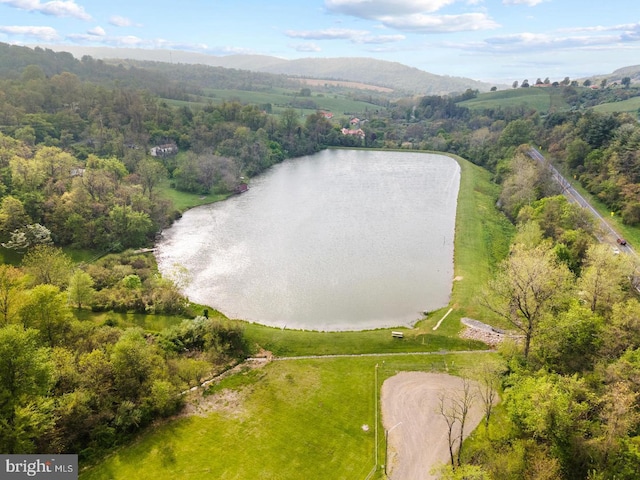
(417, 432)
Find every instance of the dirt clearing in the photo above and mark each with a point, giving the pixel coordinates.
(417, 432)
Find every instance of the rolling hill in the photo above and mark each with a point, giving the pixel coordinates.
(403, 79)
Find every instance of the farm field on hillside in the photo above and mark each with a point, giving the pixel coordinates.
(631, 105)
(281, 99)
(540, 99)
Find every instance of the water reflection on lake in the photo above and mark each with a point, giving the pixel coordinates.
(340, 240)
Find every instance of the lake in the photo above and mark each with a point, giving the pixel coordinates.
(339, 240)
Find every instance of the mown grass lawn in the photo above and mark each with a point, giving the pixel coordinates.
(482, 240)
(285, 343)
(297, 419)
(183, 200)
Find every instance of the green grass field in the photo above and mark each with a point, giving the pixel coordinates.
(632, 105)
(183, 201)
(304, 418)
(282, 99)
(541, 99)
(296, 419)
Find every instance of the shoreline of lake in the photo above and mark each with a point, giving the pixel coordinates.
(400, 185)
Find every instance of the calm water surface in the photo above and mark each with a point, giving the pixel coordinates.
(340, 240)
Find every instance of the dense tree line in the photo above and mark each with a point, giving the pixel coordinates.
(167, 80)
(570, 386)
(69, 385)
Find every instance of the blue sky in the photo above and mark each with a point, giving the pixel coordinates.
(490, 40)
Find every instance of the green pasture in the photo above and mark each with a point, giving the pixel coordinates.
(304, 417)
(542, 99)
(631, 105)
(281, 99)
(296, 419)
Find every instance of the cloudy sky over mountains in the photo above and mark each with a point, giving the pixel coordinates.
(491, 40)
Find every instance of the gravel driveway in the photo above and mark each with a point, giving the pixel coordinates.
(417, 432)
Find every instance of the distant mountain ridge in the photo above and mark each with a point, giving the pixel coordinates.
(631, 71)
(402, 78)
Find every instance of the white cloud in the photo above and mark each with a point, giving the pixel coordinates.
(378, 39)
(124, 41)
(306, 47)
(91, 38)
(372, 9)
(618, 37)
(97, 31)
(626, 29)
(529, 3)
(440, 23)
(416, 16)
(328, 34)
(119, 21)
(355, 36)
(41, 33)
(56, 8)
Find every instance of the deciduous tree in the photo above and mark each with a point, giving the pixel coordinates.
(80, 288)
(151, 173)
(45, 308)
(529, 284)
(12, 283)
(604, 277)
(25, 377)
(13, 216)
(48, 264)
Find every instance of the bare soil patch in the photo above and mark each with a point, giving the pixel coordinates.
(226, 401)
(417, 432)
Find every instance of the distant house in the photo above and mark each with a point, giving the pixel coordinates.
(76, 172)
(327, 115)
(356, 132)
(164, 150)
(355, 121)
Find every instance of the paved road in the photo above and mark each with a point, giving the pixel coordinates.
(609, 234)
